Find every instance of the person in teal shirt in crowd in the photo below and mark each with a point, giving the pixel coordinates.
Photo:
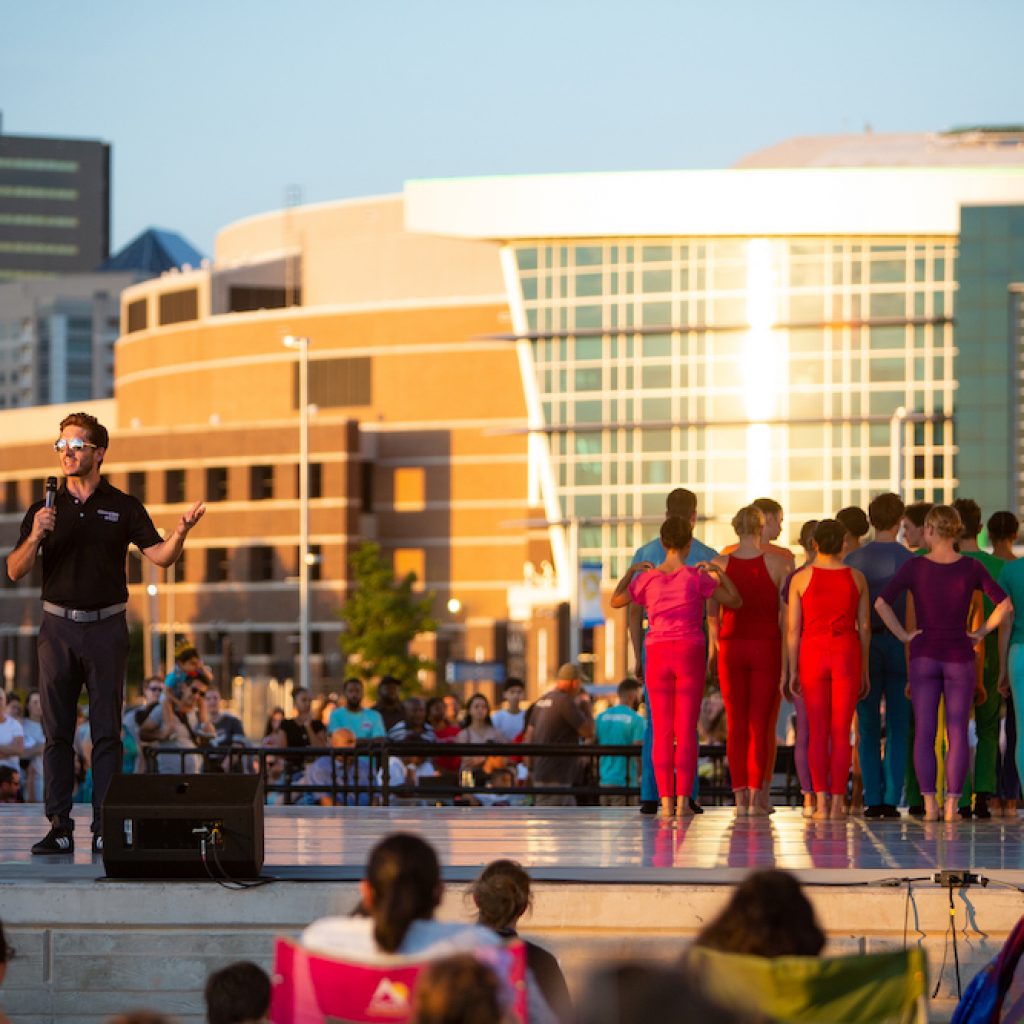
(617, 726)
(364, 723)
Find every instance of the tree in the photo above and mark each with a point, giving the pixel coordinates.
(381, 617)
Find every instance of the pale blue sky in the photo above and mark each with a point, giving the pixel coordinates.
(214, 107)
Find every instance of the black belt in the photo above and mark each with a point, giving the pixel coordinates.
(98, 615)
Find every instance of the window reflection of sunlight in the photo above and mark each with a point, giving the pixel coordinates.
(762, 365)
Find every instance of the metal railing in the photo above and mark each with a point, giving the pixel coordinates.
(361, 775)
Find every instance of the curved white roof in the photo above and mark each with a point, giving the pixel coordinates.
(801, 201)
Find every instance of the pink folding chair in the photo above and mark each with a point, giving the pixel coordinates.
(309, 988)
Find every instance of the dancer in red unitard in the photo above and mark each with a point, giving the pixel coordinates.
(828, 635)
(675, 595)
(750, 658)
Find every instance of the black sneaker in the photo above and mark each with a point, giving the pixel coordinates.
(889, 811)
(981, 808)
(57, 840)
(916, 810)
(648, 806)
(97, 842)
(964, 812)
(874, 811)
(695, 807)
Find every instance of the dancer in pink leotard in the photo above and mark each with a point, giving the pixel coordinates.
(674, 595)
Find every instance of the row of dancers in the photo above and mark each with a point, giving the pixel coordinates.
(854, 628)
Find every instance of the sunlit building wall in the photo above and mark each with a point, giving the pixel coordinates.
(783, 333)
(510, 374)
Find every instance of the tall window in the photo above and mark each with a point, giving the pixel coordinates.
(174, 486)
(261, 482)
(216, 565)
(261, 563)
(217, 483)
(137, 485)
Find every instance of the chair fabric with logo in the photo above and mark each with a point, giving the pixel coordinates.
(309, 988)
(880, 988)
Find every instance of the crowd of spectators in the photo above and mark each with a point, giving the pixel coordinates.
(181, 724)
(466, 969)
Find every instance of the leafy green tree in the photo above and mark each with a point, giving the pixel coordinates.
(381, 617)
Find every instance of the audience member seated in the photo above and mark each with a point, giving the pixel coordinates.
(477, 727)
(302, 729)
(35, 744)
(10, 785)
(365, 723)
(181, 720)
(133, 719)
(390, 707)
(457, 990)
(510, 720)
(640, 993)
(445, 732)
(188, 667)
(238, 994)
(767, 915)
(274, 768)
(275, 722)
(400, 893)
(501, 777)
(228, 732)
(12, 736)
(341, 769)
(502, 895)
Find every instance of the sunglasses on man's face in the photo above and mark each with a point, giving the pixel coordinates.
(72, 444)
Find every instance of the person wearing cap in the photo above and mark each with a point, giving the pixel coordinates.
(81, 535)
(563, 715)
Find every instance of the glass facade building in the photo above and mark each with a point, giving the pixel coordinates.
(817, 334)
(817, 371)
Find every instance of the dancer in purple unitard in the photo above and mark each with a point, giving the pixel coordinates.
(942, 662)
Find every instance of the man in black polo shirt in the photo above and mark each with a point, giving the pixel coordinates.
(83, 639)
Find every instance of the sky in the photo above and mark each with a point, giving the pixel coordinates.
(215, 109)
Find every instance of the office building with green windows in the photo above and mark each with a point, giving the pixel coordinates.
(54, 206)
(817, 333)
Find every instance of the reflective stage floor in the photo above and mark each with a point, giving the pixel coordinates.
(609, 883)
(585, 844)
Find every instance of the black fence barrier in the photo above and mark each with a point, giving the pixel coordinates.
(362, 775)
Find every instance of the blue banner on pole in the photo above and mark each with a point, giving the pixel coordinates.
(591, 612)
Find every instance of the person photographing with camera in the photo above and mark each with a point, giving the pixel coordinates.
(81, 532)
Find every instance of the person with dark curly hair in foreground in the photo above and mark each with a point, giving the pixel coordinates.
(768, 915)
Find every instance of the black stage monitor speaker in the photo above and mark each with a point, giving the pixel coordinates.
(154, 826)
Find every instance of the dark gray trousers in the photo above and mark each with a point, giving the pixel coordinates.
(73, 655)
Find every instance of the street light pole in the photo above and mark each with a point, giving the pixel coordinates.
(302, 346)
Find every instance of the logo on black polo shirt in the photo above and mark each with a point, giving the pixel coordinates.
(110, 517)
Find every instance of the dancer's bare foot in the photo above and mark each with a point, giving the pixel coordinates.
(665, 811)
(808, 809)
(683, 808)
(838, 811)
(951, 811)
(931, 807)
(821, 807)
(742, 797)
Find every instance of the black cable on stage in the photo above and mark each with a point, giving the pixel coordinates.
(225, 881)
(945, 950)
